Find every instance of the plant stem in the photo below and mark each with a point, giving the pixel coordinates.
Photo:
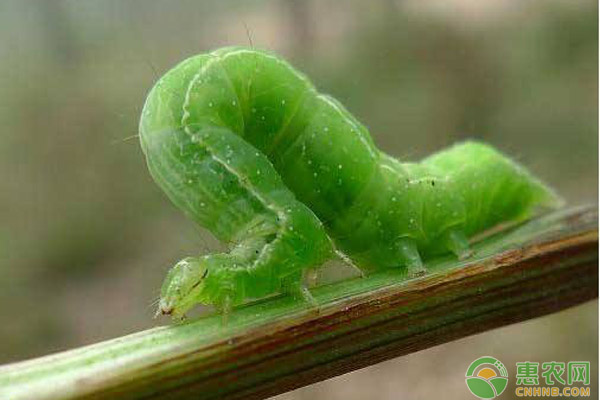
(278, 344)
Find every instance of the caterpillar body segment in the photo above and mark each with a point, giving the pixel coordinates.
(248, 148)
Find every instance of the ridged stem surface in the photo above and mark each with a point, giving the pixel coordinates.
(275, 345)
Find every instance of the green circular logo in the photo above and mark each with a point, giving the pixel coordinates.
(486, 378)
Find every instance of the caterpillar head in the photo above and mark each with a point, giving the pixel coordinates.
(182, 287)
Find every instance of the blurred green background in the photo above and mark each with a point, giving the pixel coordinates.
(86, 236)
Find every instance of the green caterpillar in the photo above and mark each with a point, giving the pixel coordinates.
(248, 148)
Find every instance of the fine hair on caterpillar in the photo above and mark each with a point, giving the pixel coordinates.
(248, 148)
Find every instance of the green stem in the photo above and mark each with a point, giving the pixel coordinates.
(276, 345)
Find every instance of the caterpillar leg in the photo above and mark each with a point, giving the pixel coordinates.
(409, 256)
(294, 286)
(312, 277)
(303, 292)
(456, 242)
(225, 307)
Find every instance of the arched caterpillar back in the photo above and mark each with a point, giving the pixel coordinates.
(247, 147)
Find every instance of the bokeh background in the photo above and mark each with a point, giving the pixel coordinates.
(86, 236)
